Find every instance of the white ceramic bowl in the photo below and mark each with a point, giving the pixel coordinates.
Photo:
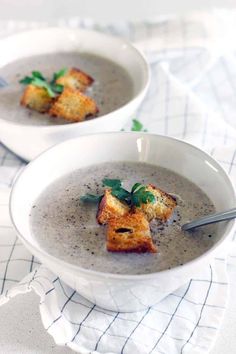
(28, 141)
(110, 291)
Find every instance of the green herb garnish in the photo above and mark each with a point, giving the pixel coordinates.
(57, 88)
(116, 189)
(140, 195)
(136, 197)
(58, 74)
(137, 126)
(112, 183)
(27, 80)
(90, 198)
(44, 84)
(37, 79)
(121, 194)
(38, 75)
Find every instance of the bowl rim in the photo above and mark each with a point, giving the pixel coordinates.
(89, 272)
(137, 52)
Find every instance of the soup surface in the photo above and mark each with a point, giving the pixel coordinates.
(67, 228)
(111, 89)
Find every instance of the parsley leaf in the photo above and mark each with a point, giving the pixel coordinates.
(57, 88)
(150, 198)
(122, 194)
(58, 74)
(116, 189)
(41, 83)
(38, 75)
(26, 81)
(137, 126)
(138, 195)
(90, 198)
(112, 183)
(135, 187)
(37, 79)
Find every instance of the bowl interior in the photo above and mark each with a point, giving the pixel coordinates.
(88, 150)
(53, 40)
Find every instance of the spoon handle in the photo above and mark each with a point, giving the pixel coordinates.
(210, 219)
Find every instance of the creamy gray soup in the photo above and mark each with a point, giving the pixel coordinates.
(111, 89)
(67, 228)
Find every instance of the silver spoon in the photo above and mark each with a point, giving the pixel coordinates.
(210, 219)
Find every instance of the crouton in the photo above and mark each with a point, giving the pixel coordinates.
(130, 233)
(162, 208)
(110, 207)
(36, 98)
(73, 105)
(75, 79)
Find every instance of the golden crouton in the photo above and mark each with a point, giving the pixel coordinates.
(110, 207)
(73, 105)
(36, 98)
(130, 233)
(162, 208)
(75, 79)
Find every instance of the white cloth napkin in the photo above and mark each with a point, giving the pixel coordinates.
(192, 97)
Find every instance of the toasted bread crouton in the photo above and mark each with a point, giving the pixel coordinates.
(36, 98)
(110, 207)
(73, 105)
(75, 79)
(130, 233)
(162, 208)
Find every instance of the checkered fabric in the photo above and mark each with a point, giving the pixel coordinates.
(192, 97)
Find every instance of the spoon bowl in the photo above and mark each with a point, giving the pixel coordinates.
(210, 219)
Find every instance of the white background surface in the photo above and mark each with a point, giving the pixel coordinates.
(21, 330)
(102, 10)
